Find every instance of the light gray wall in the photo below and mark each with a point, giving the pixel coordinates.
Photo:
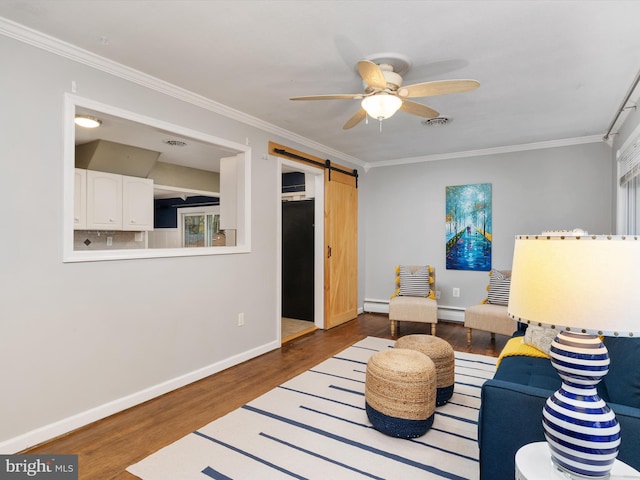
(78, 340)
(548, 189)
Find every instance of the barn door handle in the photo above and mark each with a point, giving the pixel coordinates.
(328, 251)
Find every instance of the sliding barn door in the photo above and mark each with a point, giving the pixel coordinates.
(340, 236)
(341, 248)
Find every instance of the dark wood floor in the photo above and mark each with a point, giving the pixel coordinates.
(107, 447)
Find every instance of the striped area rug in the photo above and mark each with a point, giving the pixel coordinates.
(315, 427)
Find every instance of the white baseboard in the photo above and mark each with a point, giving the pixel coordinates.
(445, 312)
(53, 430)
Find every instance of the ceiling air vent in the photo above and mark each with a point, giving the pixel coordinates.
(175, 143)
(436, 122)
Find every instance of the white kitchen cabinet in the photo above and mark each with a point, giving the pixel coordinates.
(80, 199)
(104, 201)
(108, 201)
(137, 204)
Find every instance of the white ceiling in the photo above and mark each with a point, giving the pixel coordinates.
(549, 70)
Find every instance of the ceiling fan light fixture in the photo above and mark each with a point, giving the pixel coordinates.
(86, 121)
(384, 94)
(381, 106)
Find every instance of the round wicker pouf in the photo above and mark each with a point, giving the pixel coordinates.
(400, 392)
(441, 353)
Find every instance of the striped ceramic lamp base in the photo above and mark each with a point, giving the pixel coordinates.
(581, 430)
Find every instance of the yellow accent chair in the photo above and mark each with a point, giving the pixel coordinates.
(491, 314)
(414, 299)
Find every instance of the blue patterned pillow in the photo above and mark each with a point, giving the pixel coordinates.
(414, 283)
(499, 285)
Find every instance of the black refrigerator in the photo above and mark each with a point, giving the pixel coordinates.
(297, 259)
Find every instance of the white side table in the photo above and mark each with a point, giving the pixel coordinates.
(533, 462)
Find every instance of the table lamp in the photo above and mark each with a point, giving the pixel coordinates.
(583, 286)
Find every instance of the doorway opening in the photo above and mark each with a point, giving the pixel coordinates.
(301, 249)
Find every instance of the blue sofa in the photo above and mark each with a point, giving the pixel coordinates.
(511, 409)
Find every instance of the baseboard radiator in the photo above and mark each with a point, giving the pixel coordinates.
(445, 312)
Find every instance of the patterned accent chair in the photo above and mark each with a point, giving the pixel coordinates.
(414, 299)
(491, 314)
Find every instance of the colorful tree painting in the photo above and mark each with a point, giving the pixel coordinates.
(468, 227)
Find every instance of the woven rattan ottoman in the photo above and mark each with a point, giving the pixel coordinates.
(442, 355)
(400, 392)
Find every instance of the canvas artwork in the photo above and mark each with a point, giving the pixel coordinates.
(468, 227)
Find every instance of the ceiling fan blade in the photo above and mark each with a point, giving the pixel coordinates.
(372, 75)
(439, 87)
(356, 119)
(415, 108)
(345, 96)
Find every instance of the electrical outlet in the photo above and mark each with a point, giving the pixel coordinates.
(109, 241)
(240, 319)
(437, 294)
(456, 292)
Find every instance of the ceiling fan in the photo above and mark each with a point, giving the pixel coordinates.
(384, 94)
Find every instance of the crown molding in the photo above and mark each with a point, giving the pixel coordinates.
(58, 47)
(491, 151)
